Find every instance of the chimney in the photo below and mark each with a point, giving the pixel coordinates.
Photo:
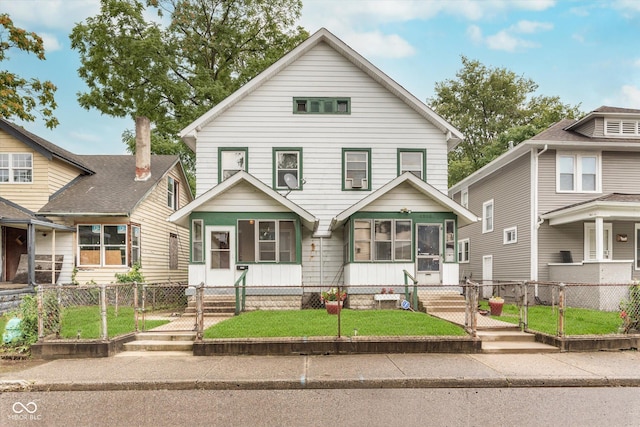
(143, 148)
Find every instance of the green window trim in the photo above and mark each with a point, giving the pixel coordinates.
(245, 160)
(232, 219)
(320, 105)
(276, 151)
(348, 182)
(423, 163)
(197, 241)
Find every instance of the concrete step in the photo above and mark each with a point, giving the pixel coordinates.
(156, 345)
(512, 347)
(445, 309)
(132, 353)
(166, 336)
(505, 335)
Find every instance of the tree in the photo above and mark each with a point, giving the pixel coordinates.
(173, 74)
(493, 108)
(19, 97)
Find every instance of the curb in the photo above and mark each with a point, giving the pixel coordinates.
(433, 383)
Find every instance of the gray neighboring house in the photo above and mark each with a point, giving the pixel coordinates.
(561, 206)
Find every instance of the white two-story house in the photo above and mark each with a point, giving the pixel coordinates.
(322, 171)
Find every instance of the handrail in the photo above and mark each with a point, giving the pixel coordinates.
(240, 299)
(415, 289)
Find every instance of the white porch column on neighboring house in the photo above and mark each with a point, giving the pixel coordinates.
(599, 231)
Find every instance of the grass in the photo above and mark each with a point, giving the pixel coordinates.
(311, 323)
(578, 321)
(3, 321)
(86, 321)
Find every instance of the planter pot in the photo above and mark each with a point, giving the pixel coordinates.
(496, 307)
(333, 306)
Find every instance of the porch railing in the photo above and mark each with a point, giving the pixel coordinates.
(414, 299)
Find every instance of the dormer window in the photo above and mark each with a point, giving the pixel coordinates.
(321, 105)
(622, 127)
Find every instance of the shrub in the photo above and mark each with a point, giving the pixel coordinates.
(133, 275)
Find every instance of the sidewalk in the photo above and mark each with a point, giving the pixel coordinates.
(179, 371)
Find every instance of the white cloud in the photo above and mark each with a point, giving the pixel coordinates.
(508, 39)
(627, 5)
(630, 96)
(530, 27)
(50, 14)
(51, 42)
(475, 34)
(636, 63)
(376, 44)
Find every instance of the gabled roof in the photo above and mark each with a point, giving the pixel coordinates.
(181, 216)
(557, 136)
(605, 111)
(465, 216)
(112, 190)
(43, 147)
(454, 136)
(613, 206)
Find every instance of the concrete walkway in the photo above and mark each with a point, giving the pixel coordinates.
(179, 371)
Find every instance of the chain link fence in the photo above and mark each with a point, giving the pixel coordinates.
(108, 310)
(556, 309)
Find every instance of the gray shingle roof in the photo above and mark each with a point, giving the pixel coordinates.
(10, 210)
(558, 132)
(111, 190)
(42, 146)
(611, 197)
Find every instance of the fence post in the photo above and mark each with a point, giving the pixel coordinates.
(40, 312)
(561, 305)
(524, 321)
(144, 306)
(200, 311)
(103, 311)
(135, 305)
(475, 290)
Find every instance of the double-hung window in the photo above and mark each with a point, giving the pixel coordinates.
(231, 161)
(463, 250)
(487, 216)
(590, 241)
(172, 193)
(16, 168)
(382, 240)
(510, 235)
(578, 173)
(464, 198)
(197, 239)
(103, 245)
(413, 161)
(287, 168)
(267, 241)
(356, 169)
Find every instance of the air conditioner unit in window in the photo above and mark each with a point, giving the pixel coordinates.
(356, 183)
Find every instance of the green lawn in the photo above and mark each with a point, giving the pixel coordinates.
(578, 321)
(86, 320)
(311, 323)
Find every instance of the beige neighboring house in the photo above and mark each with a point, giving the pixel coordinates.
(93, 213)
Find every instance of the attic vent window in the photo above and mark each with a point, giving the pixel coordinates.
(619, 127)
(321, 105)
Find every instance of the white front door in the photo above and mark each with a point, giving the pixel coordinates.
(428, 253)
(221, 250)
(487, 276)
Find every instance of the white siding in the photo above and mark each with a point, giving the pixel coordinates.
(378, 274)
(378, 121)
(405, 196)
(242, 198)
(329, 251)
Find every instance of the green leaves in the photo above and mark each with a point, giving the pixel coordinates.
(492, 106)
(21, 97)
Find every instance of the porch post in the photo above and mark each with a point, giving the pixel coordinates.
(31, 254)
(599, 230)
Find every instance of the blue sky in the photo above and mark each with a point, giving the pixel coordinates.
(586, 52)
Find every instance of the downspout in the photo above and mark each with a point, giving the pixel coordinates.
(321, 264)
(536, 221)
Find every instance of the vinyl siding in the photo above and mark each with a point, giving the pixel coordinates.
(379, 121)
(60, 174)
(510, 190)
(332, 259)
(404, 196)
(588, 128)
(32, 195)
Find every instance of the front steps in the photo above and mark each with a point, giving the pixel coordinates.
(510, 341)
(213, 305)
(181, 342)
(496, 337)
